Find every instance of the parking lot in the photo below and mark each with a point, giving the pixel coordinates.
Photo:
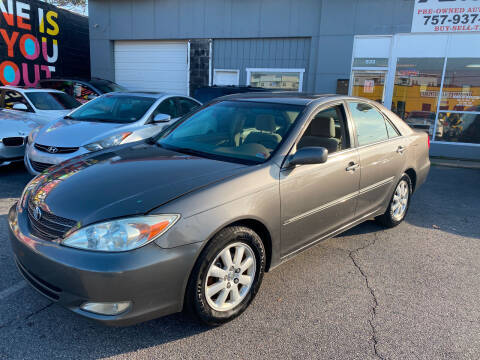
(407, 293)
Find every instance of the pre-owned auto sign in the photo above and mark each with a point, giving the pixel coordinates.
(446, 16)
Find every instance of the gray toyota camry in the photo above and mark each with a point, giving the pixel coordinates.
(192, 218)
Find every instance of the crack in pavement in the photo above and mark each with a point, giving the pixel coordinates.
(351, 254)
(11, 322)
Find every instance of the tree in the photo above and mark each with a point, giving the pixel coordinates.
(75, 5)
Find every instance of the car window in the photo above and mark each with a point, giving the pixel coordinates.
(52, 100)
(168, 107)
(65, 86)
(14, 97)
(369, 123)
(327, 129)
(184, 106)
(114, 109)
(83, 93)
(392, 132)
(233, 130)
(106, 86)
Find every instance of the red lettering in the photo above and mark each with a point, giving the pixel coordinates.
(9, 41)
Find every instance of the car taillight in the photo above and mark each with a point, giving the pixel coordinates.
(428, 140)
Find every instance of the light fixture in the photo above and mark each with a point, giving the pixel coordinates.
(473, 66)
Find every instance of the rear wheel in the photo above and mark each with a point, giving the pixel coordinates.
(227, 276)
(398, 207)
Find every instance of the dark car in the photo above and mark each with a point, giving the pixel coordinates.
(208, 93)
(192, 218)
(81, 89)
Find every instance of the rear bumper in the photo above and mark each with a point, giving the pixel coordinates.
(152, 278)
(422, 173)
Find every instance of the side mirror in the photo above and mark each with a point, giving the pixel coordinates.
(162, 118)
(20, 106)
(308, 156)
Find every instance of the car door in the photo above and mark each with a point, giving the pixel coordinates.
(318, 199)
(382, 156)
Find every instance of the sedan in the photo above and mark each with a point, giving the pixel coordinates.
(109, 120)
(193, 218)
(38, 106)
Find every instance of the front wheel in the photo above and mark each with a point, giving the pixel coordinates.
(398, 207)
(227, 276)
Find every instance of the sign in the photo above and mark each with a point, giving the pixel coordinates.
(446, 16)
(368, 86)
(40, 41)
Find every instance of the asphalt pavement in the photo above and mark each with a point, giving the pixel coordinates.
(411, 292)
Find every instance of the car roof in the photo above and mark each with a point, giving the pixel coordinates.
(285, 97)
(28, 90)
(150, 94)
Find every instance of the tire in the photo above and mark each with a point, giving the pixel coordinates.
(202, 298)
(391, 218)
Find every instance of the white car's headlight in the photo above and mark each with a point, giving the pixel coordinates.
(122, 234)
(107, 142)
(33, 134)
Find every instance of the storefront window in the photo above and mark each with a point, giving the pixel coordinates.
(461, 87)
(459, 117)
(276, 79)
(369, 84)
(416, 91)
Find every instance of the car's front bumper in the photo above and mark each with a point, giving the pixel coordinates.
(11, 153)
(41, 157)
(152, 278)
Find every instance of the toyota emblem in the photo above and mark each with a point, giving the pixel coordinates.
(37, 213)
(52, 150)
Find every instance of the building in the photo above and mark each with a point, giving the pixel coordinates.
(419, 57)
(41, 41)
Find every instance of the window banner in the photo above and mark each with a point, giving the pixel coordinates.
(442, 16)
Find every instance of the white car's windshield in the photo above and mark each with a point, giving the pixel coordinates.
(233, 130)
(114, 108)
(52, 100)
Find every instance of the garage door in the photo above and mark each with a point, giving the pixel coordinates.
(152, 65)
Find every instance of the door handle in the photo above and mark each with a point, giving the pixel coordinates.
(401, 150)
(352, 166)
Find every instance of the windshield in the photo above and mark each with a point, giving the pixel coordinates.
(106, 86)
(233, 130)
(52, 101)
(114, 108)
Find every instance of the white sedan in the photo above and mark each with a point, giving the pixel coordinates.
(22, 110)
(37, 105)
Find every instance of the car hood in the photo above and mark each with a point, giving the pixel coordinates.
(71, 133)
(41, 117)
(128, 180)
(13, 128)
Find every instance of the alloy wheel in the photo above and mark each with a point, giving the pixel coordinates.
(230, 276)
(400, 200)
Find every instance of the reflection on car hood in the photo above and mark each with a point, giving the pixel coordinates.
(13, 128)
(71, 133)
(128, 180)
(41, 117)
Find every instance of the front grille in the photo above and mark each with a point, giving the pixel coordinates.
(39, 166)
(13, 141)
(48, 226)
(47, 289)
(55, 149)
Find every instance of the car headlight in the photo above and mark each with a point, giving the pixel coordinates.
(122, 234)
(33, 134)
(107, 142)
